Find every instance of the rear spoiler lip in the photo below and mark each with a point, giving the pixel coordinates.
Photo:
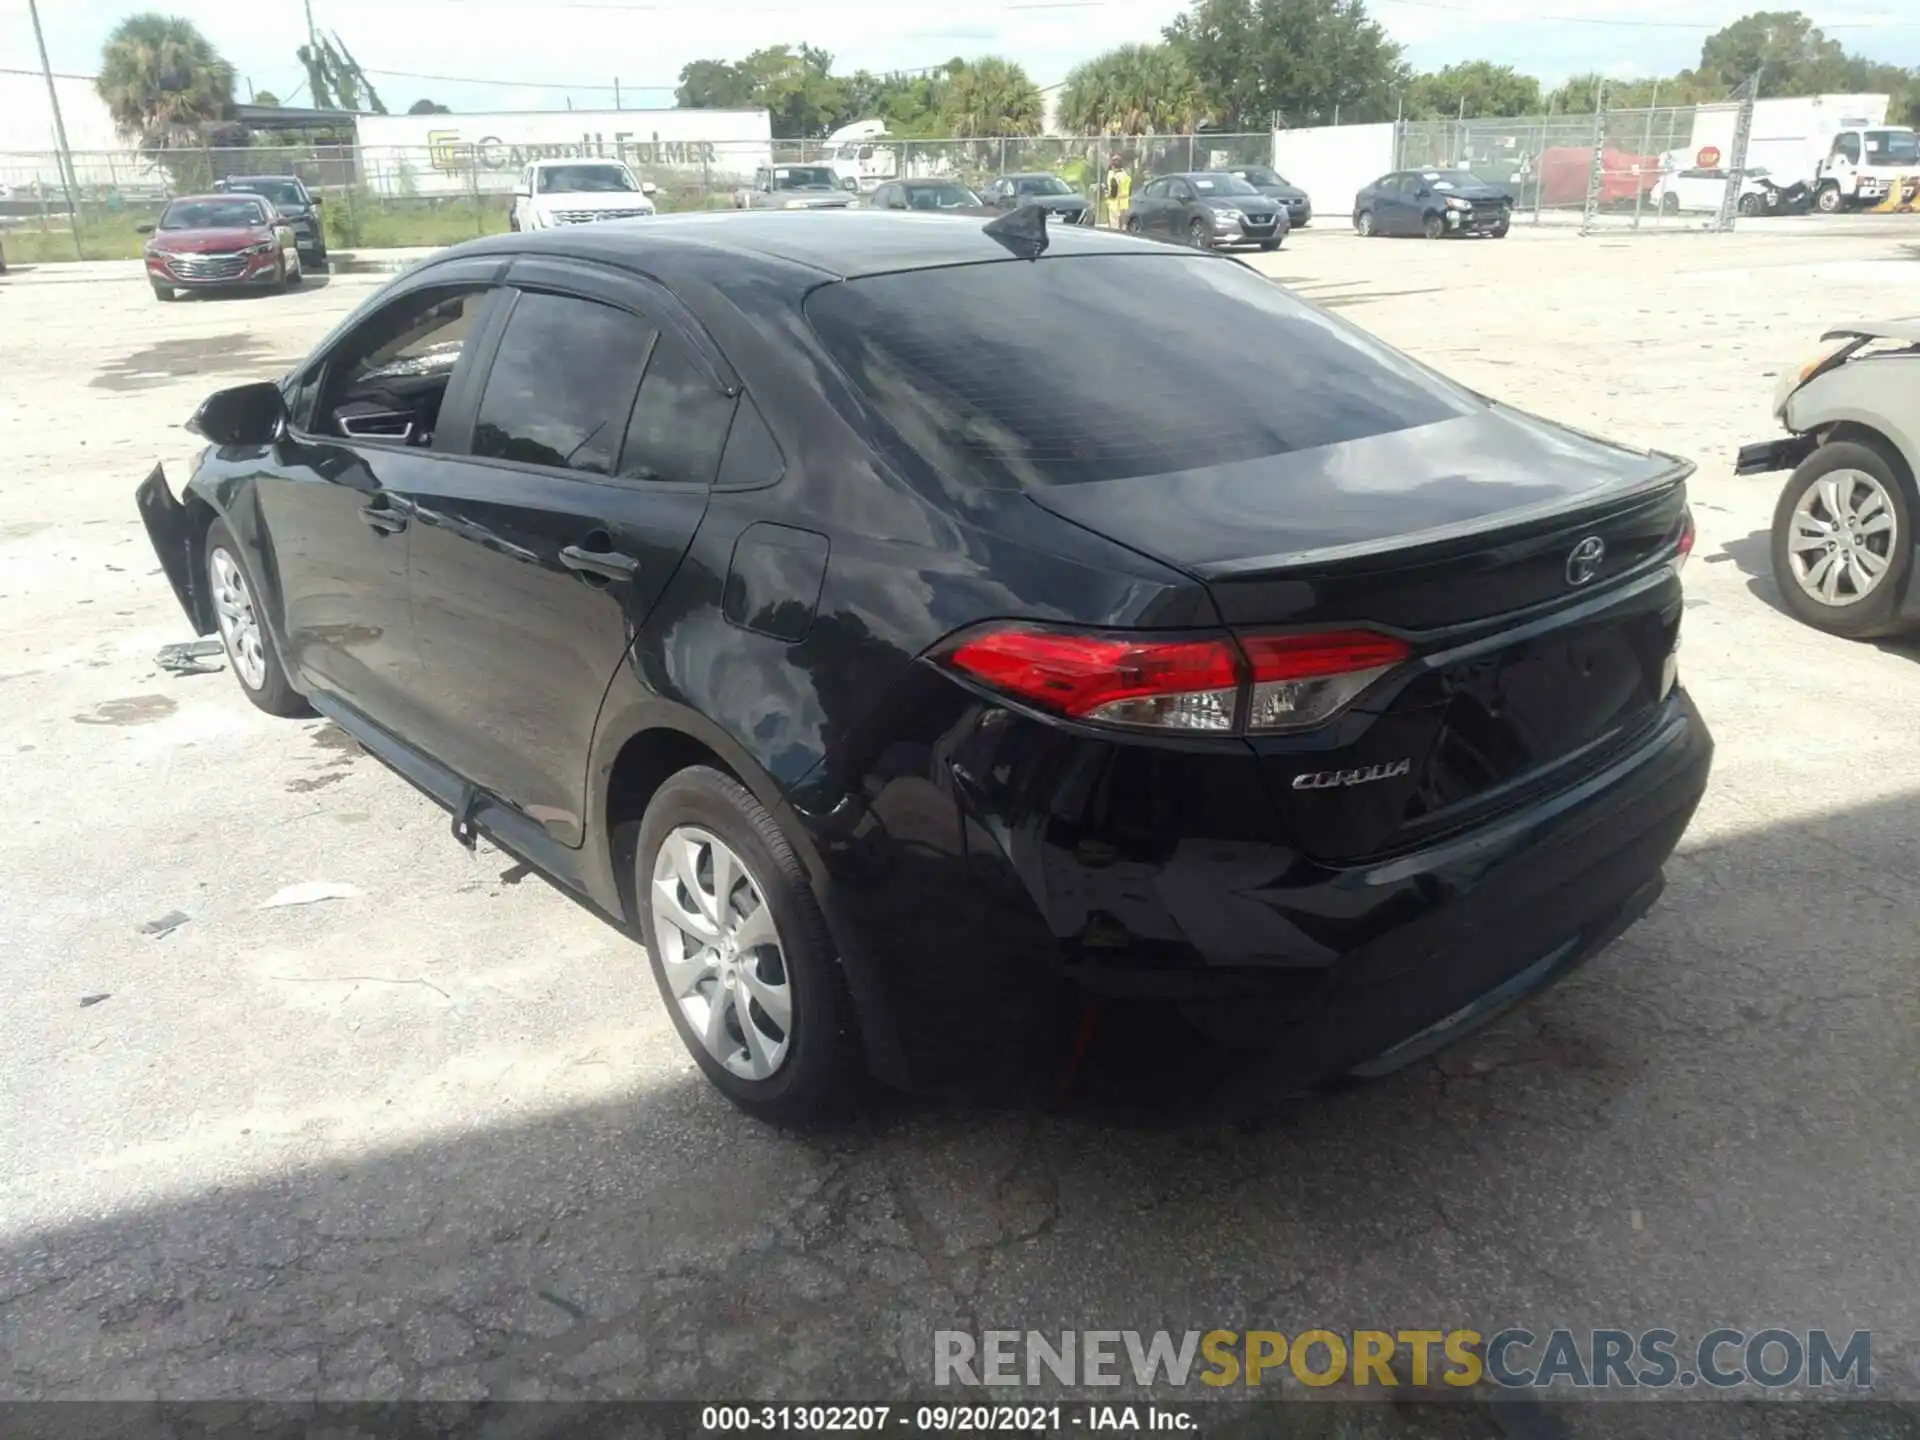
(1676, 472)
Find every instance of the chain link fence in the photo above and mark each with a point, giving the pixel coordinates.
(381, 197)
(1613, 170)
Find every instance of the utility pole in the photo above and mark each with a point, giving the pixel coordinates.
(69, 182)
(616, 92)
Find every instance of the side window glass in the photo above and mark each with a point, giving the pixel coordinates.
(679, 423)
(384, 382)
(752, 455)
(1850, 147)
(562, 384)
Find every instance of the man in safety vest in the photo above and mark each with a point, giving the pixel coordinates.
(1119, 187)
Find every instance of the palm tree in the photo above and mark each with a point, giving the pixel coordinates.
(991, 96)
(1132, 90)
(163, 82)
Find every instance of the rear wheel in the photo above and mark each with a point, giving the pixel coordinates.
(1843, 540)
(1749, 205)
(243, 633)
(1133, 224)
(1363, 223)
(740, 951)
(1201, 234)
(1669, 204)
(1433, 227)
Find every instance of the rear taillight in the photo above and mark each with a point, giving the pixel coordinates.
(1259, 684)
(1685, 547)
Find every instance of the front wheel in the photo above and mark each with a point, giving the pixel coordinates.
(1842, 540)
(243, 633)
(1433, 227)
(1133, 225)
(1363, 224)
(1829, 200)
(1749, 205)
(1201, 234)
(740, 951)
(162, 293)
(1269, 244)
(1500, 232)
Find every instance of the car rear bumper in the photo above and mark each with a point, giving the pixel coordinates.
(1032, 903)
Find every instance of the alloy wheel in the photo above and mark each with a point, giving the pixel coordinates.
(1365, 223)
(239, 622)
(722, 954)
(1842, 536)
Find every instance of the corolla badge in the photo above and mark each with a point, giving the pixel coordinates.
(1584, 561)
(1364, 775)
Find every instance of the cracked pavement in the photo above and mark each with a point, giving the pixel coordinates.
(436, 1139)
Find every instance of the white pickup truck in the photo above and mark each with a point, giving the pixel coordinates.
(1862, 165)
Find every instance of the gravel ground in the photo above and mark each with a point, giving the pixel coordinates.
(438, 1139)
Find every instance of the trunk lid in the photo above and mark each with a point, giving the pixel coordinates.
(1475, 540)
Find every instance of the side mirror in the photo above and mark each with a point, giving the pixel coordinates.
(143, 229)
(647, 187)
(253, 414)
(523, 194)
(318, 200)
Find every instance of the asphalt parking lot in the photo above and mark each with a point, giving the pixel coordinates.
(435, 1138)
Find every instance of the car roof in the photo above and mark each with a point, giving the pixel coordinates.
(542, 164)
(1198, 175)
(216, 195)
(243, 179)
(838, 244)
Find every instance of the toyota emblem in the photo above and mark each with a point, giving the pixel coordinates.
(1584, 563)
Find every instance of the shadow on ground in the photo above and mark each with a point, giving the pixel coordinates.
(1753, 554)
(1709, 1125)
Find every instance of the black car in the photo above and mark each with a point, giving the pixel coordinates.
(1433, 203)
(944, 197)
(1060, 200)
(1211, 210)
(1242, 692)
(1275, 186)
(298, 207)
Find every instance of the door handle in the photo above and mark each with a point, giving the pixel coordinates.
(381, 515)
(604, 564)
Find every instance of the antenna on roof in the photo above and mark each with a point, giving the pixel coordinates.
(1022, 231)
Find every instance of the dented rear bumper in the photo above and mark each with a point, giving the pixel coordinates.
(169, 530)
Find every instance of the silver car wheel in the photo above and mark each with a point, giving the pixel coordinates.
(239, 622)
(721, 953)
(1842, 537)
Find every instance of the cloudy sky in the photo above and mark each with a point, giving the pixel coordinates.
(537, 54)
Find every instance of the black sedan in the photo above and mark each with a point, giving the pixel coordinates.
(299, 207)
(1208, 209)
(1275, 186)
(1433, 203)
(942, 197)
(1253, 697)
(1060, 200)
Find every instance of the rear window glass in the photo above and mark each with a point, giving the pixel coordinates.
(1120, 365)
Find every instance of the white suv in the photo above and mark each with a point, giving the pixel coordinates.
(578, 192)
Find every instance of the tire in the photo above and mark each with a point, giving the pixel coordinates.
(250, 651)
(1500, 232)
(163, 293)
(1269, 244)
(815, 1068)
(1873, 483)
(1363, 225)
(1201, 234)
(1749, 205)
(1669, 204)
(1829, 200)
(1434, 228)
(1133, 225)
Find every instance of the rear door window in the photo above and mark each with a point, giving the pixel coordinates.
(1248, 371)
(679, 424)
(563, 384)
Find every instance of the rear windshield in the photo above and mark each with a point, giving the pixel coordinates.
(280, 192)
(1121, 365)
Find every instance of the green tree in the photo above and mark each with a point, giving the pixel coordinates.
(428, 107)
(1302, 61)
(713, 85)
(163, 83)
(1133, 90)
(1790, 54)
(991, 96)
(265, 97)
(1476, 88)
